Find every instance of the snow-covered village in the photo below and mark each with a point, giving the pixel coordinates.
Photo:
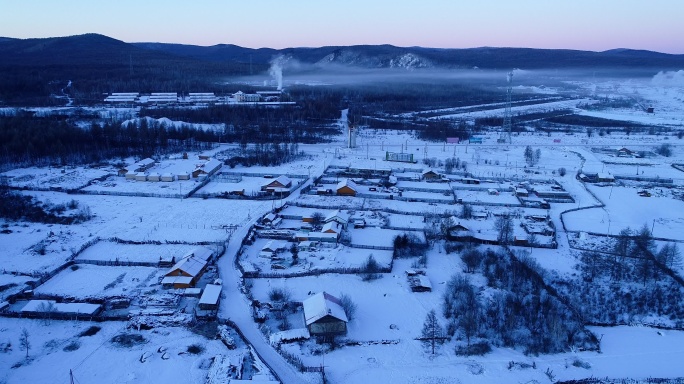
(366, 214)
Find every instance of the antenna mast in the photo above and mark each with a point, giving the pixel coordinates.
(506, 131)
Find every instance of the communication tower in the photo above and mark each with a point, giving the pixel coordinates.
(506, 129)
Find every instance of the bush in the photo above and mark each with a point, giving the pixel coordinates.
(90, 331)
(74, 345)
(476, 349)
(279, 295)
(370, 269)
(128, 340)
(195, 349)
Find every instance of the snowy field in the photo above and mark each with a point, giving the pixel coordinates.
(148, 253)
(119, 185)
(662, 213)
(387, 308)
(60, 347)
(91, 281)
(65, 178)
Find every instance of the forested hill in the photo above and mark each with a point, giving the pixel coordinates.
(34, 70)
(388, 56)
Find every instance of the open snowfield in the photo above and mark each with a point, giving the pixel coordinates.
(97, 359)
(92, 281)
(65, 178)
(148, 253)
(663, 214)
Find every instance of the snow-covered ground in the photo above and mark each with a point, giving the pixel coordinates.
(387, 308)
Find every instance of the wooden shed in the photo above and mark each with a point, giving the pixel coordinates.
(210, 298)
(346, 187)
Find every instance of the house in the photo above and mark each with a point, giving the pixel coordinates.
(468, 180)
(49, 307)
(324, 315)
(154, 176)
(279, 184)
(624, 152)
(338, 217)
(143, 165)
(273, 246)
(317, 237)
(269, 218)
(521, 192)
(332, 227)
(429, 175)
(186, 272)
(420, 283)
(209, 301)
(306, 245)
(207, 169)
(346, 187)
(131, 175)
(141, 176)
(459, 232)
(605, 178)
(168, 177)
(184, 176)
(242, 97)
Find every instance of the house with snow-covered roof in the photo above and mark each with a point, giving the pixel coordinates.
(281, 183)
(346, 187)
(186, 272)
(208, 168)
(324, 315)
(429, 174)
(332, 227)
(337, 216)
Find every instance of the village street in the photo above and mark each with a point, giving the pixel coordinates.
(237, 308)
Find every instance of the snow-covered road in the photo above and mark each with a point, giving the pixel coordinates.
(237, 308)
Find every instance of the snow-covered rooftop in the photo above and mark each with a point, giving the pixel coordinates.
(323, 304)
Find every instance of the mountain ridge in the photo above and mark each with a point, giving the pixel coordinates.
(100, 49)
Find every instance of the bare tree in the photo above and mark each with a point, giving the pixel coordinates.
(24, 342)
(433, 333)
(348, 305)
(504, 227)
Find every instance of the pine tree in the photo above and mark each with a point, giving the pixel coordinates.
(433, 333)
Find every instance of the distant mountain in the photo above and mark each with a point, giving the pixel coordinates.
(388, 56)
(81, 50)
(94, 49)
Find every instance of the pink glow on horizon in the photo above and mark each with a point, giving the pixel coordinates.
(580, 24)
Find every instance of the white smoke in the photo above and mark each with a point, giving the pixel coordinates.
(669, 78)
(276, 70)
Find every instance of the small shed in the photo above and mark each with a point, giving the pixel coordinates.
(141, 176)
(521, 192)
(168, 177)
(131, 175)
(324, 315)
(184, 176)
(154, 176)
(210, 297)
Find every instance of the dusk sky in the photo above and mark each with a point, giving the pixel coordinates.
(594, 25)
